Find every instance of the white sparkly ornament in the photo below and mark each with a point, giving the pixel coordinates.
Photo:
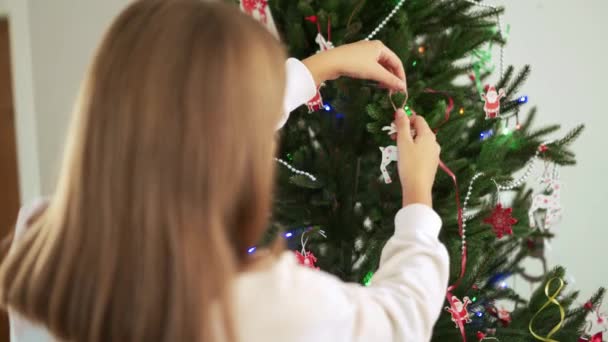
(367, 224)
(358, 207)
(550, 202)
(492, 102)
(357, 265)
(358, 244)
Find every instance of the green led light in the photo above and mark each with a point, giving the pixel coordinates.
(474, 299)
(414, 63)
(289, 156)
(367, 280)
(408, 111)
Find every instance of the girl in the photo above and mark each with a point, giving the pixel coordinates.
(167, 180)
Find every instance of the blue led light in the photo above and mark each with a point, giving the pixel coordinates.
(523, 99)
(503, 284)
(288, 234)
(479, 314)
(327, 107)
(251, 250)
(486, 134)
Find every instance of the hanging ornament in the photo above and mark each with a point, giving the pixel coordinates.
(501, 221)
(549, 200)
(504, 316)
(304, 257)
(307, 259)
(316, 103)
(459, 310)
(389, 155)
(595, 338)
(324, 44)
(260, 11)
(492, 102)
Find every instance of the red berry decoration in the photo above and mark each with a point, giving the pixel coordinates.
(543, 148)
(480, 335)
(501, 221)
(588, 306)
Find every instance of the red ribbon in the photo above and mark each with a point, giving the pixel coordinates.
(463, 260)
(448, 109)
(315, 20)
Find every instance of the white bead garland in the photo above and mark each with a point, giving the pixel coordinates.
(386, 20)
(500, 32)
(296, 171)
(464, 208)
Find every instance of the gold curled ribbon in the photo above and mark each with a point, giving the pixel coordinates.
(552, 299)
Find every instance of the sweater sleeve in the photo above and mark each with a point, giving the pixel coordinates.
(300, 87)
(402, 303)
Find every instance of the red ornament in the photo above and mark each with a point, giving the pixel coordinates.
(307, 259)
(543, 148)
(480, 335)
(316, 103)
(595, 338)
(501, 221)
(459, 310)
(492, 102)
(256, 8)
(313, 19)
(504, 316)
(589, 306)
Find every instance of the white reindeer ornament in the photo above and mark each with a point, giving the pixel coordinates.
(390, 153)
(549, 202)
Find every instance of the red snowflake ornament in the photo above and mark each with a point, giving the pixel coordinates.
(307, 259)
(501, 221)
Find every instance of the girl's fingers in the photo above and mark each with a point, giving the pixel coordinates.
(387, 78)
(421, 126)
(404, 138)
(391, 61)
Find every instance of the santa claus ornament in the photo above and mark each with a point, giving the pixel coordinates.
(260, 11)
(459, 310)
(492, 102)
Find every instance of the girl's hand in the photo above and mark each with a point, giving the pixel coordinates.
(369, 60)
(418, 159)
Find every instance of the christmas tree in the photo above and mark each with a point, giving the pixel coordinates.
(340, 207)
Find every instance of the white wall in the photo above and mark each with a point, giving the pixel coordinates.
(564, 43)
(53, 44)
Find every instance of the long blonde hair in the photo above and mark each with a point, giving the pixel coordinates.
(166, 181)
